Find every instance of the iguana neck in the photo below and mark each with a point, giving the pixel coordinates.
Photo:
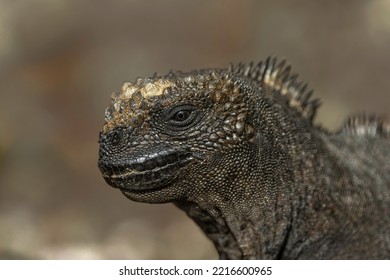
(241, 220)
(233, 239)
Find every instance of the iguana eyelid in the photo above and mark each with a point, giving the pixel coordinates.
(193, 113)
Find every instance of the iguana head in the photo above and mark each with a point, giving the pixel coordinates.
(168, 136)
(165, 132)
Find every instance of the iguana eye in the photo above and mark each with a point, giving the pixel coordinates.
(181, 117)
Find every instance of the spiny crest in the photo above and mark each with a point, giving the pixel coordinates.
(363, 124)
(277, 75)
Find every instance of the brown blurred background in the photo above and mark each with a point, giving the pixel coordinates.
(60, 60)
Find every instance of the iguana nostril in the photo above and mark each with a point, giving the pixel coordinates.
(115, 137)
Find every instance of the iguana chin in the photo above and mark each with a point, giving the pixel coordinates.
(237, 150)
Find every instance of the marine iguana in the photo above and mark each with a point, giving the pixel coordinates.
(237, 150)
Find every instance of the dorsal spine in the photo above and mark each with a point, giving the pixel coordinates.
(277, 76)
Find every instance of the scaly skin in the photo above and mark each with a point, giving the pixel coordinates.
(237, 151)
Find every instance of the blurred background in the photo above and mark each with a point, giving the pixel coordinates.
(61, 60)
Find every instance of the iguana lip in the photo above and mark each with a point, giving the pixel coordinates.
(145, 172)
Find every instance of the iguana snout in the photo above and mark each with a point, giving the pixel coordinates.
(144, 169)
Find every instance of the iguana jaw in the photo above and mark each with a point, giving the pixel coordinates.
(145, 172)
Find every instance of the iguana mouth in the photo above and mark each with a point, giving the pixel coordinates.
(145, 172)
